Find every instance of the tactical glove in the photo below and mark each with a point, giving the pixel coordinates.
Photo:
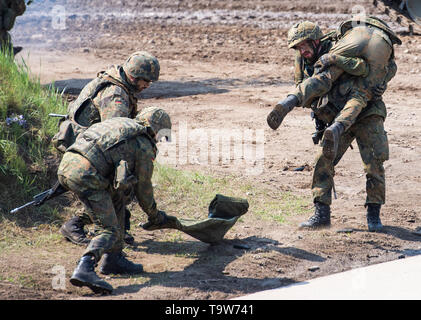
(282, 108)
(324, 62)
(159, 221)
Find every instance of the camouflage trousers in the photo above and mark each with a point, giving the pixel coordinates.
(374, 150)
(104, 205)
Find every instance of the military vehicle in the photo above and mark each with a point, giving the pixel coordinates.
(405, 12)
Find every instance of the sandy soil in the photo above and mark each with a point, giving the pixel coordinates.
(224, 64)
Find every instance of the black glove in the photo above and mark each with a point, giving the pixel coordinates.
(156, 221)
(277, 115)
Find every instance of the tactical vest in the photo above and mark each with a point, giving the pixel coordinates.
(86, 97)
(70, 128)
(97, 142)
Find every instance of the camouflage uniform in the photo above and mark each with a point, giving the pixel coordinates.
(9, 9)
(107, 96)
(349, 99)
(88, 169)
(309, 81)
(105, 160)
(111, 94)
(374, 150)
(348, 102)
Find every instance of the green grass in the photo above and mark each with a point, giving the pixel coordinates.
(25, 132)
(188, 194)
(23, 172)
(13, 237)
(25, 281)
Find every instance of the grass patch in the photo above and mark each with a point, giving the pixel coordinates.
(279, 209)
(188, 195)
(25, 134)
(24, 281)
(13, 237)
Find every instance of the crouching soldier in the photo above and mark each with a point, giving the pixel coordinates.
(111, 94)
(104, 161)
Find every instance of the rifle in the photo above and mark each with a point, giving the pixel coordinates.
(56, 115)
(320, 129)
(39, 199)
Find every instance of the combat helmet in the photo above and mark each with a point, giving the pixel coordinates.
(143, 65)
(370, 20)
(302, 31)
(158, 120)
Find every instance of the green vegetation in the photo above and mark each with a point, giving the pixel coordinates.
(25, 134)
(25, 131)
(188, 195)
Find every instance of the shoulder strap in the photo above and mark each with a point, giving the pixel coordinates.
(132, 98)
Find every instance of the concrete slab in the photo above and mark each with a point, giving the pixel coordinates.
(395, 280)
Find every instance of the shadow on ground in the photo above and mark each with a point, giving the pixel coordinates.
(174, 89)
(207, 272)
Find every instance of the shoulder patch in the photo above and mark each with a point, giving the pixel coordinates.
(118, 91)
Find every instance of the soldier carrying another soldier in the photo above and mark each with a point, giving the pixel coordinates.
(347, 103)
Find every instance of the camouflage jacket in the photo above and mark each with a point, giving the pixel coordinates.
(305, 69)
(107, 96)
(119, 140)
(367, 43)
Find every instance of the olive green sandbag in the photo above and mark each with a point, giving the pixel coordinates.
(223, 214)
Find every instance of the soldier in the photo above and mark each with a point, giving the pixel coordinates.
(106, 159)
(352, 109)
(111, 94)
(10, 9)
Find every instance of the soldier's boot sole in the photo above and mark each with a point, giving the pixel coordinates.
(330, 145)
(97, 288)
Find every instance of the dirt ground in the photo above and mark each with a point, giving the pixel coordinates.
(224, 64)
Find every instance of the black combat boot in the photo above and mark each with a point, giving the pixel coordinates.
(84, 276)
(73, 231)
(373, 217)
(330, 141)
(282, 108)
(128, 238)
(321, 217)
(116, 263)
